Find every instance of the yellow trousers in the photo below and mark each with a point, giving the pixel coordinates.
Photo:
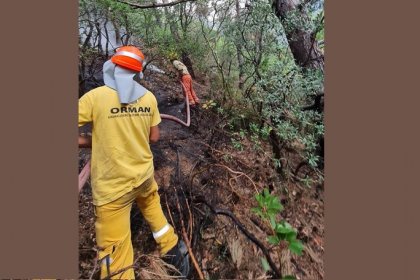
(113, 233)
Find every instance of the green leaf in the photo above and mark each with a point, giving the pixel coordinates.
(265, 264)
(296, 246)
(289, 277)
(275, 204)
(266, 192)
(282, 236)
(283, 229)
(272, 221)
(278, 205)
(257, 210)
(287, 225)
(290, 236)
(273, 240)
(271, 212)
(259, 199)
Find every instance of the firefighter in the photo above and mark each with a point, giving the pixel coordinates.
(125, 120)
(185, 78)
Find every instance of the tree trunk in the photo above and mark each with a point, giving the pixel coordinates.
(302, 43)
(157, 15)
(116, 30)
(174, 31)
(99, 36)
(303, 46)
(106, 36)
(88, 37)
(238, 52)
(126, 37)
(172, 24)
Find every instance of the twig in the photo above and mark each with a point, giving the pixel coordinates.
(186, 201)
(191, 172)
(223, 153)
(94, 269)
(184, 233)
(197, 173)
(169, 211)
(84, 175)
(190, 221)
(134, 265)
(240, 173)
(232, 188)
(185, 237)
(265, 251)
(120, 271)
(161, 275)
(192, 213)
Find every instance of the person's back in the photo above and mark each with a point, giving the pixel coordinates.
(121, 155)
(125, 119)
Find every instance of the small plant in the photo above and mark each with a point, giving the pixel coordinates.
(276, 162)
(313, 160)
(307, 181)
(254, 128)
(265, 131)
(209, 104)
(237, 144)
(227, 157)
(268, 208)
(257, 143)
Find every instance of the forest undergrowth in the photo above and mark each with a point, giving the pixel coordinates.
(208, 175)
(243, 185)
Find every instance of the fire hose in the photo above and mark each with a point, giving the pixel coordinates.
(187, 106)
(85, 173)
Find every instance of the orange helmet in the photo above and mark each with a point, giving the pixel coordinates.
(129, 57)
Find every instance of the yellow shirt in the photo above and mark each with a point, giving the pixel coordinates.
(121, 155)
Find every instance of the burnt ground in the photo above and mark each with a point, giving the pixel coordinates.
(199, 163)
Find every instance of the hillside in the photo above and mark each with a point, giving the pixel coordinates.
(197, 165)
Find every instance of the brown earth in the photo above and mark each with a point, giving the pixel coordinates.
(199, 163)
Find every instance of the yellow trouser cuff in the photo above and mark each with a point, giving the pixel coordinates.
(167, 241)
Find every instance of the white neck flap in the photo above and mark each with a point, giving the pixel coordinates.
(122, 80)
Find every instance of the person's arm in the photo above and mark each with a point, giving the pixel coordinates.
(85, 116)
(155, 121)
(154, 134)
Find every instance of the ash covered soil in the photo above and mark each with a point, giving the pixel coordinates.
(199, 163)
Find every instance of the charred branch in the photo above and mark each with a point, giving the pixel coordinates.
(277, 273)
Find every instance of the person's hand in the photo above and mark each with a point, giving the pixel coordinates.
(85, 140)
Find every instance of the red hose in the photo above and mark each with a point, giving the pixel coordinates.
(84, 175)
(187, 105)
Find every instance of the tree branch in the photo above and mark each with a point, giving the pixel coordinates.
(154, 5)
